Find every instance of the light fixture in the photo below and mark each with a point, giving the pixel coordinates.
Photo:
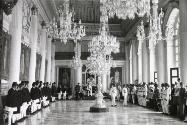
(64, 28)
(100, 60)
(124, 9)
(155, 27)
(76, 62)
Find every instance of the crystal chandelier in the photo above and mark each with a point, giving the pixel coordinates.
(101, 47)
(99, 64)
(124, 9)
(76, 62)
(77, 31)
(155, 27)
(104, 43)
(65, 28)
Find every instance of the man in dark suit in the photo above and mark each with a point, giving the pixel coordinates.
(33, 91)
(54, 90)
(182, 102)
(77, 91)
(25, 92)
(13, 97)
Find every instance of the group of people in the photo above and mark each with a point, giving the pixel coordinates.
(170, 99)
(20, 100)
(84, 91)
(118, 92)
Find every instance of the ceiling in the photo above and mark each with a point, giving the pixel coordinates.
(89, 12)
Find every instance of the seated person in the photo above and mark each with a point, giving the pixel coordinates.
(49, 95)
(59, 89)
(33, 92)
(25, 93)
(38, 91)
(64, 95)
(13, 99)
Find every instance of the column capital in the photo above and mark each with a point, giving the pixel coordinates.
(139, 52)
(34, 10)
(155, 1)
(170, 43)
(151, 46)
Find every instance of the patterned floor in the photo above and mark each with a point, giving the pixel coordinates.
(77, 113)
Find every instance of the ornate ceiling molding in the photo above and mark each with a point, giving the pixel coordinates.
(41, 10)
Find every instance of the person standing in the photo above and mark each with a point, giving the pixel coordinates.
(89, 89)
(133, 94)
(113, 94)
(162, 96)
(77, 91)
(125, 94)
(167, 93)
(181, 106)
(156, 98)
(144, 99)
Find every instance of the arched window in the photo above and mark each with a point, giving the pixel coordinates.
(173, 46)
(173, 22)
(177, 43)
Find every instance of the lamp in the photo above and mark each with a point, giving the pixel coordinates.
(65, 28)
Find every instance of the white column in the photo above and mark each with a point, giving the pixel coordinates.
(78, 75)
(48, 77)
(152, 61)
(130, 61)
(33, 39)
(78, 70)
(183, 40)
(134, 61)
(57, 75)
(161, 61)
(145, 63)
(140, 62)
(53, 63)
(15, 51)
(127, 65)
(43, 53)
(170, 58)
(108, 82)
(123, 74)
(104, 82)
(73, 81)
(151, 44)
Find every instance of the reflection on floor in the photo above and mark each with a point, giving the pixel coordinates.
(77, 113)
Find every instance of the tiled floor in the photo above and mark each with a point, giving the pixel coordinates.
(77, 113)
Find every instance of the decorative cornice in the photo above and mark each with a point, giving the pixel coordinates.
(41, 10)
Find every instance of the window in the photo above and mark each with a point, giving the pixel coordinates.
(177, 44)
